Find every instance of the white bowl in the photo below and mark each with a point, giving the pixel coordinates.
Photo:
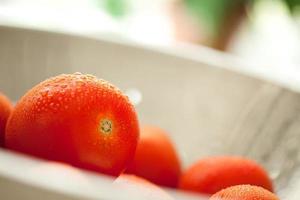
(210, 103)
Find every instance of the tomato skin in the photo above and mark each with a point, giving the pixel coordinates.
(156, 158)
(244, 192)
(61, 119)
(212, 174)
(6, 107)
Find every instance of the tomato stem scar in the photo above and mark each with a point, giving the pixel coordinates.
(106, 126)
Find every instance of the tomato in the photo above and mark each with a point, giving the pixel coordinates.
(77, 119)
(244, 192)
(156, 158)
(141, 187)
(212, 174)
(6, 108)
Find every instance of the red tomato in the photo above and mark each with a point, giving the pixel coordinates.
(142, 187)
(156, 159)
(76, 119)
(6, 108)
(210, 175)
(244, 192)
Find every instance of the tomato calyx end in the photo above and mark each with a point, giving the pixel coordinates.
(106, 126)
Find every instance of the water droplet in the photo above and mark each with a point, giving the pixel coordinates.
(63, 85)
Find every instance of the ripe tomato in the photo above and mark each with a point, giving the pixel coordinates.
(141, 187)
(155, 158)
(6, 108)
(244, 192)
(210, 175)
(77, 119)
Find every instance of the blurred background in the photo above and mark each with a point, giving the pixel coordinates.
(263, 32)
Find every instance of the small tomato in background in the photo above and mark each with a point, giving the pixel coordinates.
(76, 119)
(6, 107)
(244, 192)
(212, 174)
(156, 158)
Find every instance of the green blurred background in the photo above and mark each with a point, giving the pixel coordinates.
(261, 31)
